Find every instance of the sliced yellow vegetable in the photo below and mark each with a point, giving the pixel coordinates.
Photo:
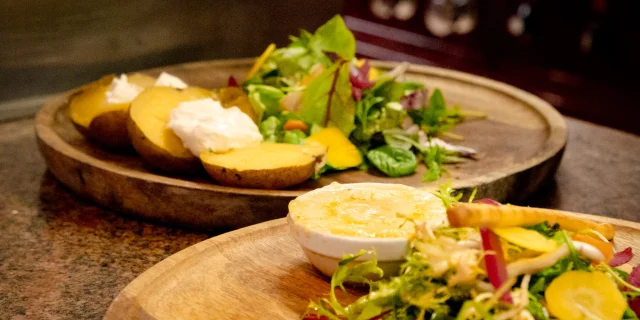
(263, 57)
(341, 153)
(576, 295)
(526, 238)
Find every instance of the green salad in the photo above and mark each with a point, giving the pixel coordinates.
(495, 262)
(315, 91)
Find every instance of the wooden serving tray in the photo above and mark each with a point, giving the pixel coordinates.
(258, 272)
(520, 145)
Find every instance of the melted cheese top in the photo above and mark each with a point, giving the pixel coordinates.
(367, 210)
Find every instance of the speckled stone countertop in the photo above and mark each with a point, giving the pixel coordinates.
(63, 258)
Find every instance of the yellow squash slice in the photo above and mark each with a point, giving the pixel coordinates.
(577, 295)
(341, 153)
(528, 239)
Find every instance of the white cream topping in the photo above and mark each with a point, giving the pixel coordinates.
(121, 91)
(168, 80)
(206, 125)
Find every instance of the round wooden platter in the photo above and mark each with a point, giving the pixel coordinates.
(520, 145)
(258, 272)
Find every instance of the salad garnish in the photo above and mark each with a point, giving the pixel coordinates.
(316, 80)
(492, 262)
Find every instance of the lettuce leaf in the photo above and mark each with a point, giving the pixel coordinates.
(327, 100)
(294, 137)
(334, 36)
(271, 129)
(309, 49)
(265, 100)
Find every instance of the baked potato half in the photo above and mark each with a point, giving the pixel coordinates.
(100, 121)
(265, 166)
(150, 136)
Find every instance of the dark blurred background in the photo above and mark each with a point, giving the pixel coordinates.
(582, 56)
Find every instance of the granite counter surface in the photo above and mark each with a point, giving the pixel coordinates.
(63, 258)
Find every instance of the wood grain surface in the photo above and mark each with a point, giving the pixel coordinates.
(258, 272)
(520, 146)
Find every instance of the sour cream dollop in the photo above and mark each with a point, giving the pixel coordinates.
(169, 80)
(122, 91)
(205, 125)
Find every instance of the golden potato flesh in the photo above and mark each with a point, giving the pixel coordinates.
(100, 121)
(266, 166)
(150, 136)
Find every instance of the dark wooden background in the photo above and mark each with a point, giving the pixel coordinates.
(582, 56)
(48, 46)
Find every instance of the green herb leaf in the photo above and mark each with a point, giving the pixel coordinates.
(447, 194)
(536, 309)
(433, 159)
(629, 315)
(436, 118)
(394, 162)
(327, 100)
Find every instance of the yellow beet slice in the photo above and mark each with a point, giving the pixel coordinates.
(266, 166)
(528, 239)
(154, 141)
(341, 153)
(576, 295)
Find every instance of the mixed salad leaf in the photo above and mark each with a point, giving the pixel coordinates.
(316, 79)
(541, 271)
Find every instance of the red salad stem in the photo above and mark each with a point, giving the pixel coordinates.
(494, 261)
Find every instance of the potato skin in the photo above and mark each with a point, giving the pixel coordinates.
(110, 130)
(157, 157)
(277, 178)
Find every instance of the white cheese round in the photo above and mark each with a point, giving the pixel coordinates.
(367, 210)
